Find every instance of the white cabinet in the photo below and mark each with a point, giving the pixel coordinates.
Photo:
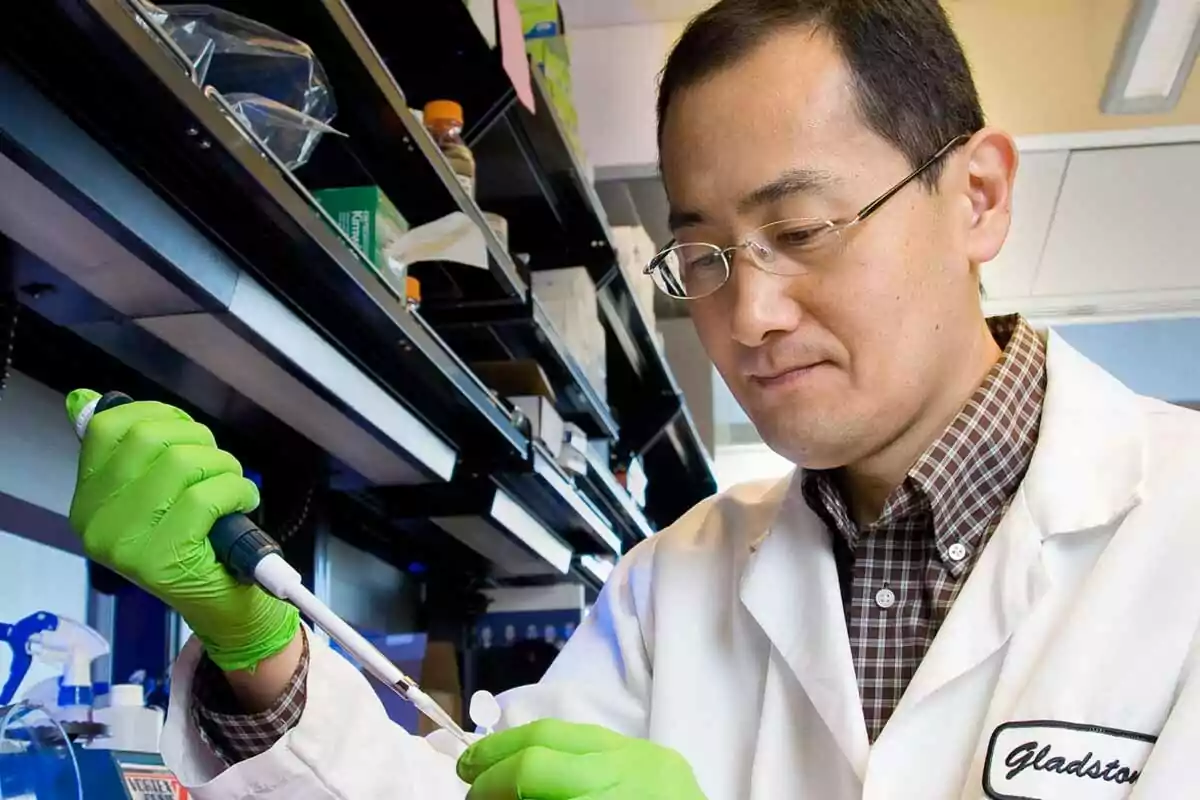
(1013, 272)
(1127, 220)
(1102, 234)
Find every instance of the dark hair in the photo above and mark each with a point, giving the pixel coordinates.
(912, 81)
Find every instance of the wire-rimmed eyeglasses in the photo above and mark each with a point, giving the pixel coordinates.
(690, 271)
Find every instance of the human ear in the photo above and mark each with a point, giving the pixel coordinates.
(991, 164)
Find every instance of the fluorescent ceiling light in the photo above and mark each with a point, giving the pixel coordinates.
(1155, 57)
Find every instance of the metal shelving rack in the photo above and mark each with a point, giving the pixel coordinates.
(530, 174)
(142, 136)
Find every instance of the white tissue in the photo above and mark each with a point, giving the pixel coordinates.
(454, 237)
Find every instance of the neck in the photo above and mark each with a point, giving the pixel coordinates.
(867, 484)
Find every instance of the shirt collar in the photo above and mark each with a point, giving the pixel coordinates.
(965, 479)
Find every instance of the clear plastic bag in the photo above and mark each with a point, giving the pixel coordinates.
(285, 131)
(274, 80)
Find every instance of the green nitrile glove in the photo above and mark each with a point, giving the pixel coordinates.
(151, 484)
(554, 760)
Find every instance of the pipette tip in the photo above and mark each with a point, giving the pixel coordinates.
(429, 707)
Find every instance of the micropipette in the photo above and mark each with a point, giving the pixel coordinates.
(251, 556)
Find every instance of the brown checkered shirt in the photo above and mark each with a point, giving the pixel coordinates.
(921, 549)
(901, 574)
(230, 732)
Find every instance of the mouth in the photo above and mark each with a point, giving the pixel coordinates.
(786, 377)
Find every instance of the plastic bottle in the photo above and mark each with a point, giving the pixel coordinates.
(444, 119)
(412, 293)
(131, 725)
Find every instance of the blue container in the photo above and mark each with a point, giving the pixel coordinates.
(35, 761)
(41, 775)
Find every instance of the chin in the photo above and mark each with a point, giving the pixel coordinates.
(812, 443)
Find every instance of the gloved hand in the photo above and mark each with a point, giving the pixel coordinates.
(554, 760)
(151, 484)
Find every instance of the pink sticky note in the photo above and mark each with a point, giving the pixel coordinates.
(512, 51)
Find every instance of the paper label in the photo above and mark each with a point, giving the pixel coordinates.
(512, 51)
(151, 783)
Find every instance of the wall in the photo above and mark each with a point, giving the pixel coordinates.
(38, 453)
(1159, 358)
(693, 371)
(38, 448)
(1040, 67)
(615, 74)
(748, 462)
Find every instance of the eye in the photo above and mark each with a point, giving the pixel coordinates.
(800, 237)
(705, 261)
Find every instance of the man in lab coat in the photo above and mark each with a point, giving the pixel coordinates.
(981, 582)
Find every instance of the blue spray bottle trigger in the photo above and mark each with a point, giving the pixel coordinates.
(238, 543)
(18, 636)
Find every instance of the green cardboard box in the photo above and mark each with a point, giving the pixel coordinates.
(540, 18)
(370, 220)
(551, 54)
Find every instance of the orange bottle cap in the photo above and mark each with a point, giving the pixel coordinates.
(412, 288)
(443, 110)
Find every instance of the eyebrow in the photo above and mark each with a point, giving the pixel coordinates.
(791, 182)
(683, 219)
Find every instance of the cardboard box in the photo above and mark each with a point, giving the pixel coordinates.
(551, 54)
(573, 457)
(568, 296)
(563, 293)
(635, 249)
(512, 378)
(540, 18)
(439, 679)
(369, 219)
(636, 482)
(525, 385)
(544, 421)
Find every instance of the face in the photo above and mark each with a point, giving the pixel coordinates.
(835, 364)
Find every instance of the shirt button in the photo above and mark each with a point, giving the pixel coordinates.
(957, 551)
(885, 598)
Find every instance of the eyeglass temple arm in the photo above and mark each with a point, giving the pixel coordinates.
(668, 278)
(672, 284)
(890, 193)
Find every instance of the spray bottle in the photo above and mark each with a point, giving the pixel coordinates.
(52, 639)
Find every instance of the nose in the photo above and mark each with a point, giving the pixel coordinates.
(760, 302)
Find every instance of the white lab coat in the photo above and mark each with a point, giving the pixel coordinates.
(724, 638)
